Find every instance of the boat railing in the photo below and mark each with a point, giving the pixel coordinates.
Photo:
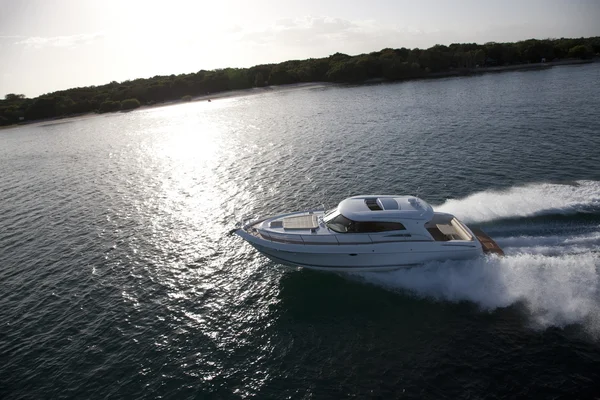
(246, 221)
(334, 241)
(280, 239)
(296, 239)
(317, 208)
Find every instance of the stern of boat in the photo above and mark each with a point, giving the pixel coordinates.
(488, 245)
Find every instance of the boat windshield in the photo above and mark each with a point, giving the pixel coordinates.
(340, 224)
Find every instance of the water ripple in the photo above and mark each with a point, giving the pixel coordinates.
(119, 278)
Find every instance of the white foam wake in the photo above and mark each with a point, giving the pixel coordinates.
(525, 201)
(557, 291)
(555, 245)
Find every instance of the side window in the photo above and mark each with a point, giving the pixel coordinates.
(393, 226)
(341, 224)
(376, 226)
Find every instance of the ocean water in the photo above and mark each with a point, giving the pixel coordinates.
(118, 278)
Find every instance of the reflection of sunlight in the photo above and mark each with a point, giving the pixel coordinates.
(183, 150)
(183, 172)
(192, 141)
(190, 132)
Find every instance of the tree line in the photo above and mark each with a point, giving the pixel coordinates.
(387, 64)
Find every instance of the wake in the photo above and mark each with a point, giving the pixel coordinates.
(554, 245)
(556, 291)
(555, 276)
(526, 201)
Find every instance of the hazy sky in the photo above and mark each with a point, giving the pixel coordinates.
(47, 45)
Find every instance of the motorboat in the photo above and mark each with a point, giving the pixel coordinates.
(366, 233)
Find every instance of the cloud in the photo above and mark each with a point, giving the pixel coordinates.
(60, 41)
(303, 30)
(354, 35)
(234, 29)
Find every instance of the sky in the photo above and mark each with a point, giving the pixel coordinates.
(48, 45)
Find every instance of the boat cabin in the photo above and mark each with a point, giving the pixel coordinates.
(376, 214)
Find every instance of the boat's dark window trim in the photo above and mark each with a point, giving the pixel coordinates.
(342, 224)
(389, 203)
(376, 226)
(373, 204)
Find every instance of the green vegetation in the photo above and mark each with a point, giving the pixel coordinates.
(109, 106)
(130, 104)
(387, 64)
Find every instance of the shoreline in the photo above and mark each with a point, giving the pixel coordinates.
(462, 72)
(205, 97)
(507, 68)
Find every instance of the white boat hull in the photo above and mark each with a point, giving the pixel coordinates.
(363, 257)
(366, 233)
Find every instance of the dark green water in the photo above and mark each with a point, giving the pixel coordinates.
(118, 279)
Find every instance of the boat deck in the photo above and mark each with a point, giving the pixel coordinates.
(487, 243)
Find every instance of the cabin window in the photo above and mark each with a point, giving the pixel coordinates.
(376, 226)
(342, 224)
(389, 203)
(373, 205)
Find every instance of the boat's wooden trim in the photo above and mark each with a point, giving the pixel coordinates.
(487, 243)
